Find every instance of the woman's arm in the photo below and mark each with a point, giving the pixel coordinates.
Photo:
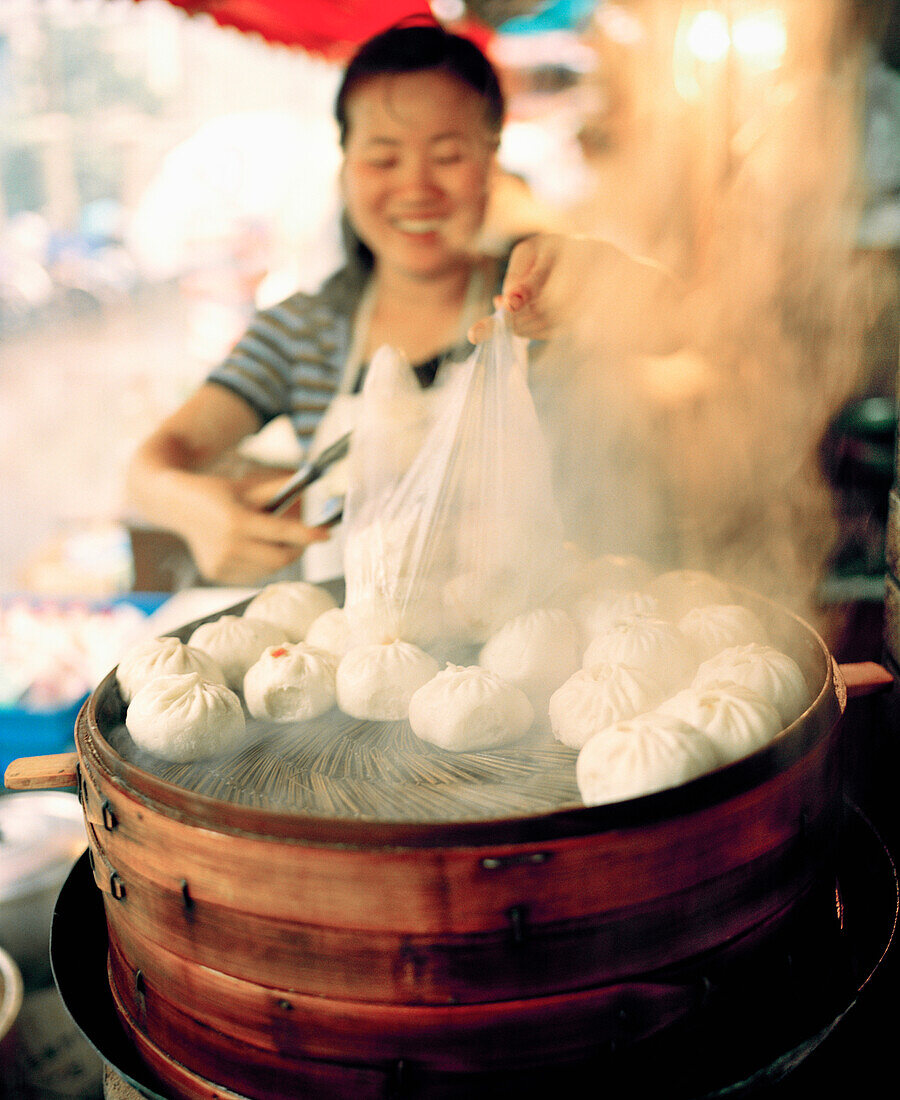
(220, 518)
(593, 291)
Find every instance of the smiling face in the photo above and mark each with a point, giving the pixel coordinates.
(417, 163)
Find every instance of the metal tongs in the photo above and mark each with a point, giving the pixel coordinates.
(307, 473)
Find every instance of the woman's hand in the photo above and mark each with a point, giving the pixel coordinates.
(170, 483)
(537, 291)
(232, 540)
(591, 289)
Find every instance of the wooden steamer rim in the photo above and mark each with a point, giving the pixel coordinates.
(193, 808)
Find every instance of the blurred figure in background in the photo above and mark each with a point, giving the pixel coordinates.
(420, 112)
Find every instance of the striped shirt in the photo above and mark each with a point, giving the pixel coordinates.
(291, 358)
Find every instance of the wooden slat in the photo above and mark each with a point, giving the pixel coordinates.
(752, 970)
(526, 960)
(213, 1069)
(463, 1038)
(452, 891)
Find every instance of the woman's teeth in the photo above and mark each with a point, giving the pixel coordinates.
(410, 225)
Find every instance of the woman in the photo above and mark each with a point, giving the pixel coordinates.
(420, 113)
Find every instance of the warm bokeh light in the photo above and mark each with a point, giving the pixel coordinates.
(707, 36)
(758, 40)
(761, 38)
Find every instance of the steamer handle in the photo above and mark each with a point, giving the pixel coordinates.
(30, 773)
(865, 678)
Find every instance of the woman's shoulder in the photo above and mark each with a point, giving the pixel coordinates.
(338, 296)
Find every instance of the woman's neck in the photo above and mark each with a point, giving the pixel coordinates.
(420, 316)
(444, 290)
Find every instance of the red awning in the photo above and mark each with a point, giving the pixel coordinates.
(329, 28)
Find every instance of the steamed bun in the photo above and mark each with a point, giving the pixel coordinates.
(599, 609)
(582, 574)
(376, 682)
(160, 657)
(737, 719)
(618, 572)
(655, 646)
(293, 606)
(466, 709)
(291, 683)
(536, 651)
(392, 421)
(775, 675)
(183, 717)
(331, 632)
(638, 756)
(592, 699)
(476, 604)
(720, 626)
(378, 552)
(235, 642)
(376, 619)
(681, 589)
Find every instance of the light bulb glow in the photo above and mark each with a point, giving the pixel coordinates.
(761, 38)
(707, 36)
(448, 11)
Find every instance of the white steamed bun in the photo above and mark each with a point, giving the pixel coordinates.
(653, 645)
(737, 719)
(681, 589)
(720, 626)
(331, 632)
(377, 681)
(293, 606)
(775, 675)
(380, 551)
(160, 657)
(537, 651)
(476, 604)
(640, 755)
(183, 717)
(466, 709)
(291, 683)
(592, 699)
(235, 642)
(376, 618)
(601, 608)
(609, 572)
(393, 419)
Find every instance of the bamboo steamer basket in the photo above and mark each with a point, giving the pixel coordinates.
(275, 955)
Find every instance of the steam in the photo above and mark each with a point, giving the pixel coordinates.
(748, 188)
(742, 177)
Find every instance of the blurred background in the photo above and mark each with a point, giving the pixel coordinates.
(163, 174)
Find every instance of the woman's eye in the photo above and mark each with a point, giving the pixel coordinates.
(389, 162)
(447, 155)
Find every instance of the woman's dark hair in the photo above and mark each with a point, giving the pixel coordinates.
(414, 48)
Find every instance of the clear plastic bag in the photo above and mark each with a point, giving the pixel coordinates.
(446, 550)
